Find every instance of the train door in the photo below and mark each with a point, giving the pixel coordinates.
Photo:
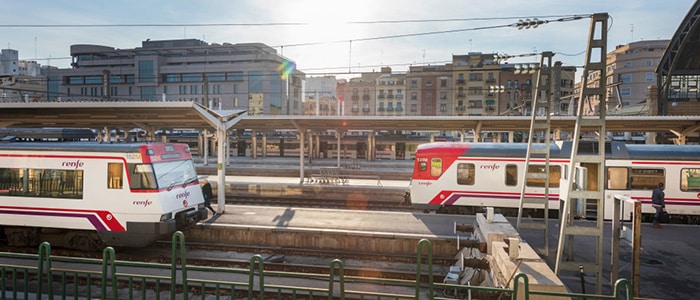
(361, 150)
(281, 147)
(323, 149)
(241, 147)
(617, 184)
(400, 150)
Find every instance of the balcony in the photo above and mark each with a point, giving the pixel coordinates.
(389, 108)
(365, 97)
(380, 97)
(490, 80)
(365, 110)
(399, 96)
(460, 81)
(390, 96)
(355, 97)
(399, 109)
(459, 108)
(381, 108)
(460, 95)
(355, 109)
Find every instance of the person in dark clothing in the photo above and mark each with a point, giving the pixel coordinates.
(208, 194)
(657, 201)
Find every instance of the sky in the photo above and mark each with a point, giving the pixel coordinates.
(336, 37)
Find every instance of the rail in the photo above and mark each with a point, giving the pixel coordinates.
(333, 175)
(59, 277)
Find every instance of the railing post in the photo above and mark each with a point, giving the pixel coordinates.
(178, 239)
(336, 263)
(526, 285)
(424, 243)
(108, 258)
(44, 266)
(251, 279)
(619, 284)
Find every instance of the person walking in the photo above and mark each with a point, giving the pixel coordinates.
(657, 201)
(208, 194)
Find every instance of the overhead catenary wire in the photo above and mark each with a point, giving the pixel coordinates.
(546, 19)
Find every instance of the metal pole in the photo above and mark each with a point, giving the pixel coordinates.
(636, 248)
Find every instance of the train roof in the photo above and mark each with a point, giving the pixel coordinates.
(75, 146)
(613, 150)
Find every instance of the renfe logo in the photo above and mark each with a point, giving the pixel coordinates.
(182, 195)
(144, 203)
(492, 167)
(73, 164)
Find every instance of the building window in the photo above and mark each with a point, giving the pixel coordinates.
(148, 93)
(414, 107)
(625, 91)
(414, 96)
(216, 77)
(192, 77)
(234, 76)
(93, 79)
(146, 71)
(650, 77)
(443, 107)
(443, 95)
(443, 82)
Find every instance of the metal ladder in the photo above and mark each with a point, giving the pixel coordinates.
(540, 124)
(591, 158)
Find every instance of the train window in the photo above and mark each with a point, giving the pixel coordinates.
(538, 181)
(114, 175)
(422, 165)
(435, 167)
(617, 178)
(465, 174)
(646, 179)
(690, 180)
(142, 177)
(511, 175)
(44, 183)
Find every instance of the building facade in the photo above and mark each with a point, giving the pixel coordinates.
(320, 97)
(391, 89)
(250, 76)
(429, 90)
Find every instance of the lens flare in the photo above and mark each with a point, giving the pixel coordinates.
(286, 68)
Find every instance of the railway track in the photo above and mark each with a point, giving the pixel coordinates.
(310, 261)
(358, 204)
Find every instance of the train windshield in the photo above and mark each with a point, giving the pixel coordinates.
(162, 174)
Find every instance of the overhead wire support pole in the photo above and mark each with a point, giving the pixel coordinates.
(585, 177)
(540, 124)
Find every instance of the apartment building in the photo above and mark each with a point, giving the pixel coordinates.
(630, 73)
(473, 74)
(359, 94)
(248, 76)
(391, 89)
(429, 90)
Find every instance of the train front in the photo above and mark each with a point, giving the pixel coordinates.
(165, 195)
(429, 181)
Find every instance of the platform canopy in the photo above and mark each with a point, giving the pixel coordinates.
(167, 115)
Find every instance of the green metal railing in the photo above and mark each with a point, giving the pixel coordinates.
(56, 277)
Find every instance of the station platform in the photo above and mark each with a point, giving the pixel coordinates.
(395, 233)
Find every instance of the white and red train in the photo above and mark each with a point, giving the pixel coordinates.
(477, 175)
(85, 195)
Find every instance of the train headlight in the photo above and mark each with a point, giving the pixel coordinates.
(165, 217)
